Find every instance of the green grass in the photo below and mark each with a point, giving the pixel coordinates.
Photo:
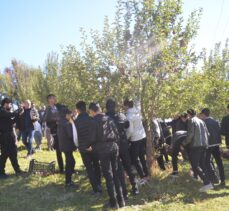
(48, 193)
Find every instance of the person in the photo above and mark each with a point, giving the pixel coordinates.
(28, 117)
(158, 140)
(37, 135)
(49, 137)
(86, 130)
(178, 124)
(197, 141)
(7, 137)
(177, 141)
(137, 136)
(225, 127)
(122, 124)
(51, 118)
(66, 143)
(213, 148)
(106, 146)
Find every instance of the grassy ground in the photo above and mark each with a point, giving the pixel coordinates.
(48, 193)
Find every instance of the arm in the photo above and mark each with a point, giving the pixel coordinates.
(190, 134)
(223, 127)
(130, 130)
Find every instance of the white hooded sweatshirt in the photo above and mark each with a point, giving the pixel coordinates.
(136, 131)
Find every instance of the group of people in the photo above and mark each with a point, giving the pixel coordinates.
(113, 144)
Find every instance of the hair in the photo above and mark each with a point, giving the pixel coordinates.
(94, 107)
(184, 115)
(228, 106)
(28, 101)
(206, 111)
(191, 112)
(128, 103)
(64, 111)
(6, 101)
(110, 105)
(50, 96)
(81, 106)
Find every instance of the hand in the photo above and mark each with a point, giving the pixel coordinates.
(71, 120)
(89, 149)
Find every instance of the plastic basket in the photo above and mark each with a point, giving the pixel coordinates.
(41, 168)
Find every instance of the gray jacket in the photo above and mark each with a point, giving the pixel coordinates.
(197, 133)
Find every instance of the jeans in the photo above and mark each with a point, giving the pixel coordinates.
(27, 139)
(109, 164)
(138, 152)
(38, 138)
(8, 150)
(215, 152)
(91, 162)
(197, 156)
(70, 165)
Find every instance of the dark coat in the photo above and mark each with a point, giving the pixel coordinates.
(52, 116)
(214, 131)
(122, 124)
(7, 119)
(107, 136)
(65, 136)
(225, 127)
(23, 125)
(86, 130)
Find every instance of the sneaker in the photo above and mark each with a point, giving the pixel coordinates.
(222, 184)
(4, 176)
(135, 191)
(174, 174)
(142, 181)
(71, 185)
(126, 197)
(206, 188)
(215, 180)
(20, 172)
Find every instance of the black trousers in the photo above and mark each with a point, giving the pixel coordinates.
(138, 152)
(70, 165)
(91, 163)
(197, 156)
(58, 153)
(109, 164)
(8, 150)
(160, 159)
(175, 152)
(126, 163)
(215, 152)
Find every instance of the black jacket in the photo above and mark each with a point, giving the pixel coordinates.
(225, 127)
(122, 124)
(214, 131)
(65, 136)
(86, 130)
(23, 125)
(52, 117)
(107, 136)
(177, 125)
(7, 120)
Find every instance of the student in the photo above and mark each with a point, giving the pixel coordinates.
(122, 124)
(37, 135)
(225, 127)
(197, 141)
(137, 136)
(86, 130)
(66, 133)
(213, 147)
(7, 138)
(52, 118)
(28, 117)
(106, 147)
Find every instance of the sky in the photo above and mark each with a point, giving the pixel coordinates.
(30, 29)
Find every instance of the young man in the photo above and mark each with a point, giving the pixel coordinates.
(106, 147)
(122, 124)
(86, 130)
(51, 118)
(7, 137)
(213, 147)
(28, 117)
(197, 141)
(65, 133)
(225, 127)
(137, 136)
